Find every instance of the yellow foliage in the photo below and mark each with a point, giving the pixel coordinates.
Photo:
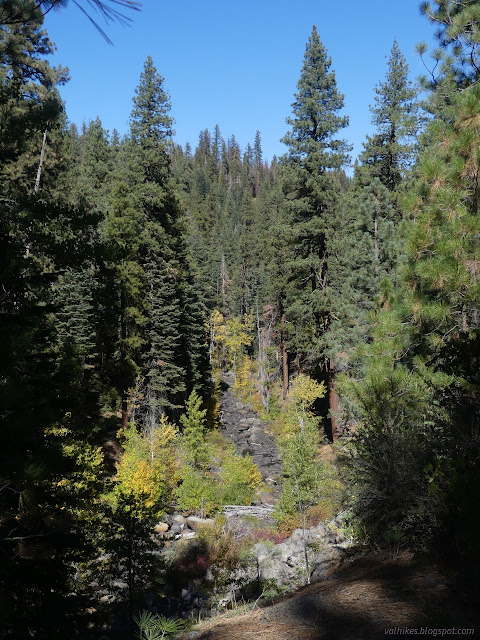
(297, 410)
(304, 393)
(242, 381)
(148, 468)
(228, 338)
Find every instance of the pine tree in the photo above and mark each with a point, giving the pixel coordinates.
(171, 345)
(45, 432)
(194, 425)
(29, 100)
(458, 35)
(93, 170)
(165, 373)
(389, 153)
(455, 63)
(375, 248)
(151, 125)
(419, 394)
(314, 153)
(123, 234)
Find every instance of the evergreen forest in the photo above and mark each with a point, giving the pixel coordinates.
(137, 276)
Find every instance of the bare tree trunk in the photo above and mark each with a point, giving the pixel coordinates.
(305, 548)
(301, 508)
(40, 164)
(464, 319)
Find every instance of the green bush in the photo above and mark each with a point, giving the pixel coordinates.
(197, 493)
(240, 479)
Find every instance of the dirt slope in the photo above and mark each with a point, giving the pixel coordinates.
(368, 597)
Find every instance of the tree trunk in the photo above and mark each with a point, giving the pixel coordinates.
(130, 573)
(40, 164)
(305, 548)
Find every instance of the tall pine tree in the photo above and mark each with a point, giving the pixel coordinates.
(315, 152)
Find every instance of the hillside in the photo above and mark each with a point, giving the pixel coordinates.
(361, 601)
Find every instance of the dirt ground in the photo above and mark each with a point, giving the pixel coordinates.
(371, 597)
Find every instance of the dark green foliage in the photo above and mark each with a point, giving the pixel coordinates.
(455, 63)
(165, 374)
(112, 261)
(389, 153)
(419, 394)
(150, 122)
(312, 220)
(314, 223)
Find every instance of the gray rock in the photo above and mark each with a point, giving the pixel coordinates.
(267, 498)
(179, 519)
(214, 469)
(177, 527)
(325, 562)
(261, 550)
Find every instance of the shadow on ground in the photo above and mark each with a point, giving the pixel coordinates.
(374, 597)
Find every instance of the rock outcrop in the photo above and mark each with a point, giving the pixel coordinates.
(241, 425)
(284, 563)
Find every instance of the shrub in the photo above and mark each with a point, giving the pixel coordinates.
(197, 493)
(240, 477)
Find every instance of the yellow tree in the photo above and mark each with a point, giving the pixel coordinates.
(228, 338)
(299, 448)
(144, 484)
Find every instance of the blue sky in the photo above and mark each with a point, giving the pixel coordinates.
(233, 64)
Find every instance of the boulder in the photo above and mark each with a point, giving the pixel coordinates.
(267, 498)
(261, 550)
(177, 527)
(178, 519)
(161, 527)
(188, 535)
(326, 562)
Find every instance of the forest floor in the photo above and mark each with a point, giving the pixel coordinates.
(371, 597)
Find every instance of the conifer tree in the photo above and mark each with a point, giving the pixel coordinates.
(123, 234)
(314, 153)
(459, 38)
(419, 393)
(164, 371)
(169, 350)
(47, 344)
(93, 170)
(442, 306)
(455, 63)
(194, 424)
(389, 153)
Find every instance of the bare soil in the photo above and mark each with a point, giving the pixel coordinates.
(371, 597)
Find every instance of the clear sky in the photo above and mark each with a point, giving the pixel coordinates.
(235, 64)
